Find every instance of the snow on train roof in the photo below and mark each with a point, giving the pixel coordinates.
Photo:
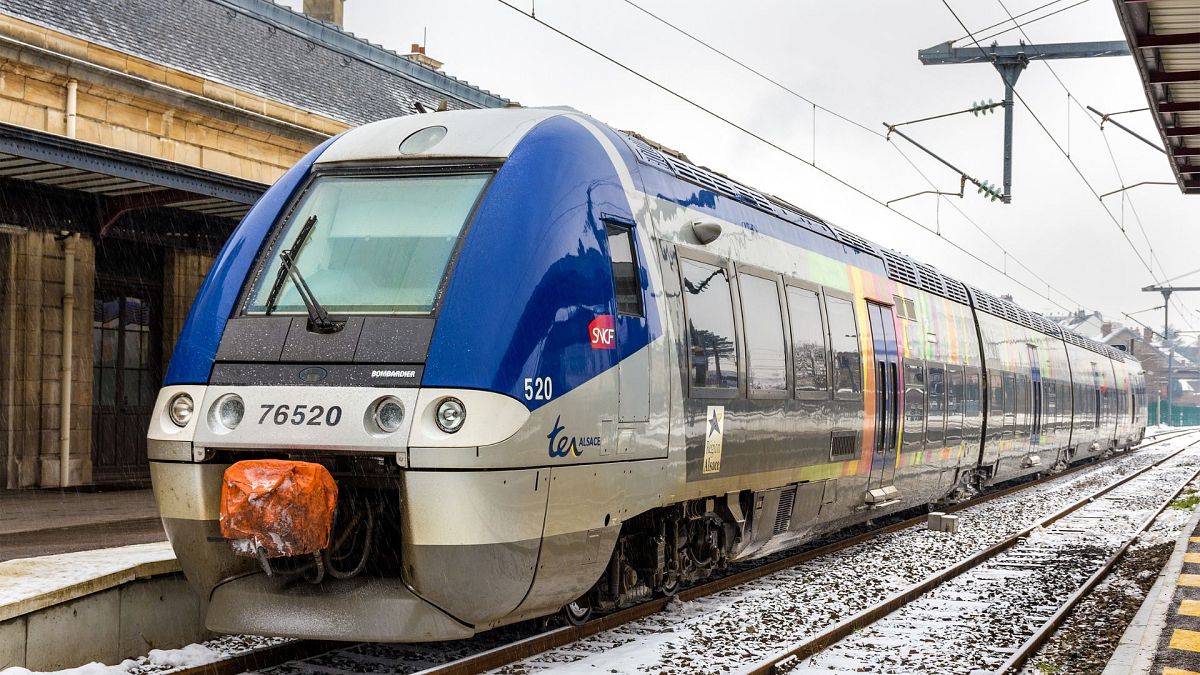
(490, 134)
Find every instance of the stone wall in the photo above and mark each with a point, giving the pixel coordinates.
(31, 335)
(182, 277)
(145, 115)
(129, 104)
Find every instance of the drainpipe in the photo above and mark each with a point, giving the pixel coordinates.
(11, 376)
(68, 332)
(72, 106)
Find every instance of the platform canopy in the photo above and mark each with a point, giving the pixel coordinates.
(52, 181)
(1165, 36)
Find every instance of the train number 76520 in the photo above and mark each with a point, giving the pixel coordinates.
(296, 415)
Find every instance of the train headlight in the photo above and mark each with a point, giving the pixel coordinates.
(388, 414)
(450, 415)
(226, 414)
(180, 409)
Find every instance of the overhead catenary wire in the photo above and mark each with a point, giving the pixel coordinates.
(1100, 126)
(1025, 13)
(766, 141)
(1058, 145)
(815, 106)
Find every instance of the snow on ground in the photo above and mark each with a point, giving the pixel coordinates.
(186, 657)
(27, 578)
(163, 661)
(730, 630)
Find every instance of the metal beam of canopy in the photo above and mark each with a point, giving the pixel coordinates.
(1010, 61)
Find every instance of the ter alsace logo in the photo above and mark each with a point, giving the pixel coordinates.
(602, 332)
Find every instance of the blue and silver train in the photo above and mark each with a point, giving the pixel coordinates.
(551, 366)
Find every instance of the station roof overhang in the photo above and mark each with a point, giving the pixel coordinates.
(55, 181)
(1165, 38)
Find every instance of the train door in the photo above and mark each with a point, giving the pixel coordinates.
(629, 326)
(1035, 422)
(887, 400)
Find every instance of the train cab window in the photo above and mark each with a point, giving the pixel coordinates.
(808, 340)
(368, 244)
(627, 282)
(762, 321)
(712, 342)
(847, 356)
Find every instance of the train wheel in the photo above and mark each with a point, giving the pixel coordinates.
(670, 588)
(577, 613)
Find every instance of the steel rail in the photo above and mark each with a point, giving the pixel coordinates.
(536, 644)
(785, 661)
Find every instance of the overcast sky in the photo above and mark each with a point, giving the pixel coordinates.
(858, 59)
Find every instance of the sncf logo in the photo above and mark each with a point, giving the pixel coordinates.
(602, 332)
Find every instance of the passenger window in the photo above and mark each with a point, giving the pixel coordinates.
(954, 392)
(936, 397)
(626, 280)
(973, 407)
(847, 357)
(712, 345)
(808, 340)
(762, 320)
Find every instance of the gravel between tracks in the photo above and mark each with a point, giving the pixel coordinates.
(1087, 639)
(974, 622)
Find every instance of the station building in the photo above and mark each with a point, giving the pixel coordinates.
(134, 134)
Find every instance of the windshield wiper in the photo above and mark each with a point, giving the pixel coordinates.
(319, 320)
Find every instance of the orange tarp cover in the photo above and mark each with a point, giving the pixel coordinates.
(284, 507)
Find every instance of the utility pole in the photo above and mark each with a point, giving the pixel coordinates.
(1166, 293)
(1010, 61)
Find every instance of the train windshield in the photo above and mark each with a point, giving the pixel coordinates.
(379, 244)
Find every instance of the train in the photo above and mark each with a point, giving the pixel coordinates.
(461, 369)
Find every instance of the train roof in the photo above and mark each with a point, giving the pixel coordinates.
(899, 266)
(493, 134)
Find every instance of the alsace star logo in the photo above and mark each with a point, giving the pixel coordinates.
(714, 425)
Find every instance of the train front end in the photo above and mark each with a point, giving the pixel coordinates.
(353, 437)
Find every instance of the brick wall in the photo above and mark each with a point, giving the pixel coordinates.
(31, 335)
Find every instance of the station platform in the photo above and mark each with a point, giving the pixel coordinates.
(44, 522)
(88, 576)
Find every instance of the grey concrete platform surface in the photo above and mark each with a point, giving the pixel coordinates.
(44, 522)
(67, 610)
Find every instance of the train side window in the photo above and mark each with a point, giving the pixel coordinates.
(954, 392)
(712, 340)
(808, 340)
(935, 420)
(627, 282)
(762, 319)
(847, 355)
(972, 406)
(997, 396)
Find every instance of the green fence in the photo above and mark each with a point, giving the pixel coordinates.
(1181, 415)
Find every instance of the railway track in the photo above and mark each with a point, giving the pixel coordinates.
(1050, 565)
(510, 646)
